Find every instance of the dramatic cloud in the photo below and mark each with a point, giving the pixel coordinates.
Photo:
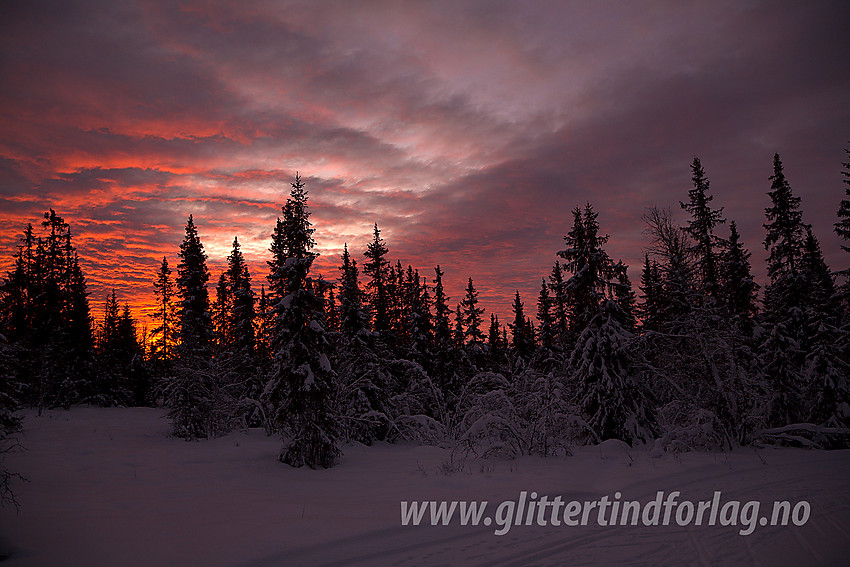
(467, 130)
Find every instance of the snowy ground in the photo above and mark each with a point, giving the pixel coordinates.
(110, 487)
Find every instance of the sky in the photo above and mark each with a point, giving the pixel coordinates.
(467, 130)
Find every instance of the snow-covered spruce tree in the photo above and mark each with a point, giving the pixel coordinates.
(496, 353)
(785, 229)
(301, 380)
(47, 318)
(354, 321)
(560, 308)
(521, 334)
(783, 348)
(396, 338)
(458, 332)
(78, 321)
(241, 343)
(417, 317)
(441, 325)
(546, 330)
(470, 353)
(650, 308)
(263, 325)
(377, 269)
(827, 392)
(738, 289)
(189, 392)
(239, 383)
(471, 317)
(164, 333)
(611, 396)
(583, 290)
(803, 360)
(842, 229)
(701, 229)
(442, 311)
(591, 268)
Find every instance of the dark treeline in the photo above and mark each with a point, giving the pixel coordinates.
(688, 358)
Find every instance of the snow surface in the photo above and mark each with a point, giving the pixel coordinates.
(111, 487)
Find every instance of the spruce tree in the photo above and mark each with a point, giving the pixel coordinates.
(459, 334)
(332, 321)
(560, 305)
(784, 347)
(494, 340)
(842, 229)
(131, 350)
(738, 289)
(785, 228)
(66, 317)
(300, 386)
(612, 399)
(190, 392)
(353, 318)
(592, 270)
(164, 333)
(221, 313)
(442, 311)
(827, 391)
(111, 387)
(523, 342)
(471, 316)
(425, 314)
(818, 278)
(377, 269)
(76, 314)
(194, 317)
(624, 295)
(239, 334)
(444, 366)
(650, 307)
(397, 335)
(46, 317)
(416, 316)
(701, 228)
(237, 377)
(546, 332)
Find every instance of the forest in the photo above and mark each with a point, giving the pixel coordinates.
(694, 356)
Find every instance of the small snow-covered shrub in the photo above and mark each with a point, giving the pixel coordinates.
(687, 428)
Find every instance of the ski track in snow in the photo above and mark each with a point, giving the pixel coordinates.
(110, 487)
